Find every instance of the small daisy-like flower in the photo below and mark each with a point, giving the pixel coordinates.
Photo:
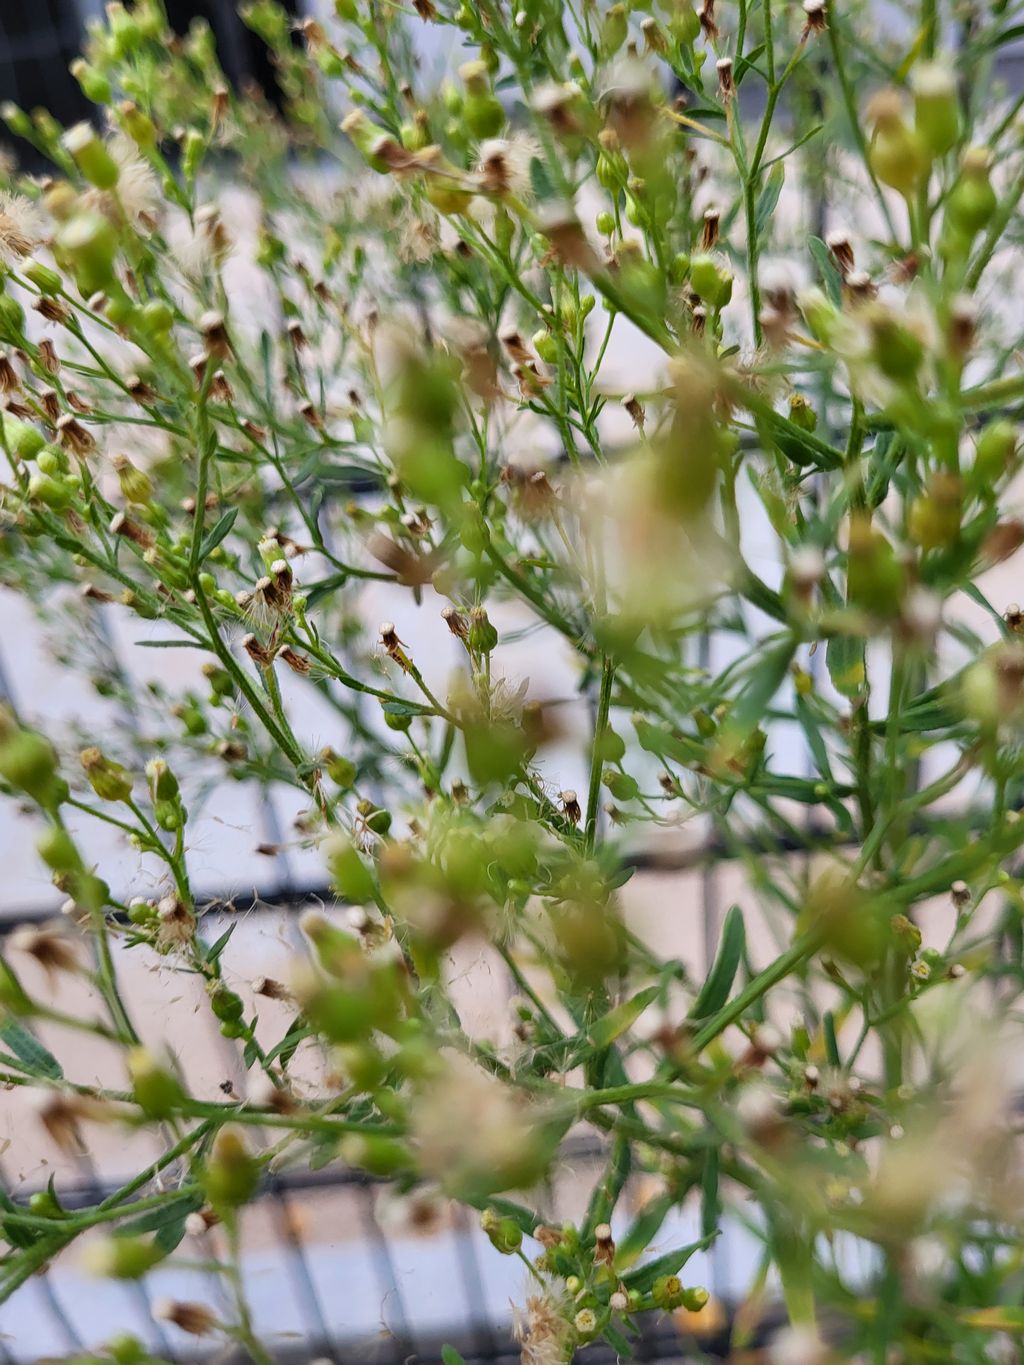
(586, 1322)
(21, 227)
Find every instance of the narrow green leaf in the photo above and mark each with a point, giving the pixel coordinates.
(167, 644)
(217, 533)
(615, 1023)
(828, 1025)
(715, 991)
(669, 1264)
(680, 748)
(643, 1231)
(830, 277)
(318, 591)
(768, 675)
(450, 1356)
(710, 1196)
(213, 952)
(844, 659)
(172, 1211)
(746, 62)
(35, 1058)
(769, 196)
(540, 181)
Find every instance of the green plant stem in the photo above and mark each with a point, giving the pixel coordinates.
(596, 759)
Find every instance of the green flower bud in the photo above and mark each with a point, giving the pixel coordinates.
(125, 33)
(139, 126)
(667, 1292)
(683, 23)
(109, 780)
(157, 1090)
(397, 717)
(232, 1172)
(226, 1005)
(546, 346)
(169, 815)
(90, 155)
(54, 493)
(972, 201)
(88, 243)
(136, 486)
(415, 134)
(679, 267)
(621, 785)
(481, 110)
(934, 519)
(163, 785)
(192, 153)
(47, 281)
(875, 578)
(350, 876)
(341, 771)
(58, 851)
(614, 30)
(122, 1258)
(377, 821)
(52, 460)
(95, 86)
(897, 156)
(12, 320)
(801, 414)
(993, 451)
(155, 318)
(906, 934)
(483, 637)
(380, 1155)
(605, 223)
(936, 106)
(896, 350)
(362, 1064)
(16, 119)
(21, 440)
(711, 282)
(451, 95)
(503, 1233)
(128, 1350)
(611, 747)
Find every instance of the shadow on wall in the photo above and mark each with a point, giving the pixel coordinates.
(40, 38)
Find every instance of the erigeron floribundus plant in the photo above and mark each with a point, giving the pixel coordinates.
(397, 368)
